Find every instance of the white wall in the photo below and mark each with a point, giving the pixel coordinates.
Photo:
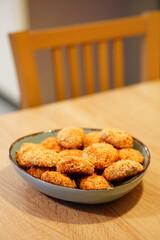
(13, 17)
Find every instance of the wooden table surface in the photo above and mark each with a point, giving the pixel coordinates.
(28, 214)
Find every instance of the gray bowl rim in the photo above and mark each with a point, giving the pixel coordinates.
(76, 189)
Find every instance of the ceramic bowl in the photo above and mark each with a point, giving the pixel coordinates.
(76, 195)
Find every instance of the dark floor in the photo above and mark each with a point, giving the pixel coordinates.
(6, 107)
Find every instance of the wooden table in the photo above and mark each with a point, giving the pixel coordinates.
(28, 214)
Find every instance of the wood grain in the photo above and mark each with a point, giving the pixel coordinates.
(26, 69)
(59, 73)
(88, 68)
(74, 69)
(125, 27)
(152, 44)
(103, 65)
(118, 63)
(28, 214)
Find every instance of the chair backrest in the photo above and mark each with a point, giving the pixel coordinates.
(25, 43)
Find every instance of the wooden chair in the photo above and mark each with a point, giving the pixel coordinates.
(25, 43)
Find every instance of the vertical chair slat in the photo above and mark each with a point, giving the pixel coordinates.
(103, 68)
(59, 73)
(151, 47)
(118, 63)
(74, 70)
(26, 69)
(88, 68)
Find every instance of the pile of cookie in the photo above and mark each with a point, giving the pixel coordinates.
(96, 160)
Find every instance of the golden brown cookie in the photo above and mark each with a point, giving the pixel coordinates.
(93, 182)
(122, 169)
(118, 138)
(71, 152)
(38, 157)
(30, 146)
(92, 137)
(75, 165)
(38, 171)
(100, 154)
(131, 154)
(71, 137)
(51, 143)
(58, 178)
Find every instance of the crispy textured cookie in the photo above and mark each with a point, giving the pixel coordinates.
(71, 137)
(122, 169)
(72, 165)
(71, 152)
(27, 147)
(93, 182)
(100, 154)
(92, 137)
(58, 179)
(38, 157)
(51, 143)
(118, 138)
(131, 154)
(38, 171)
(30, 146)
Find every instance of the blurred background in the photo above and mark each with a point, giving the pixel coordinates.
(18, 15)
